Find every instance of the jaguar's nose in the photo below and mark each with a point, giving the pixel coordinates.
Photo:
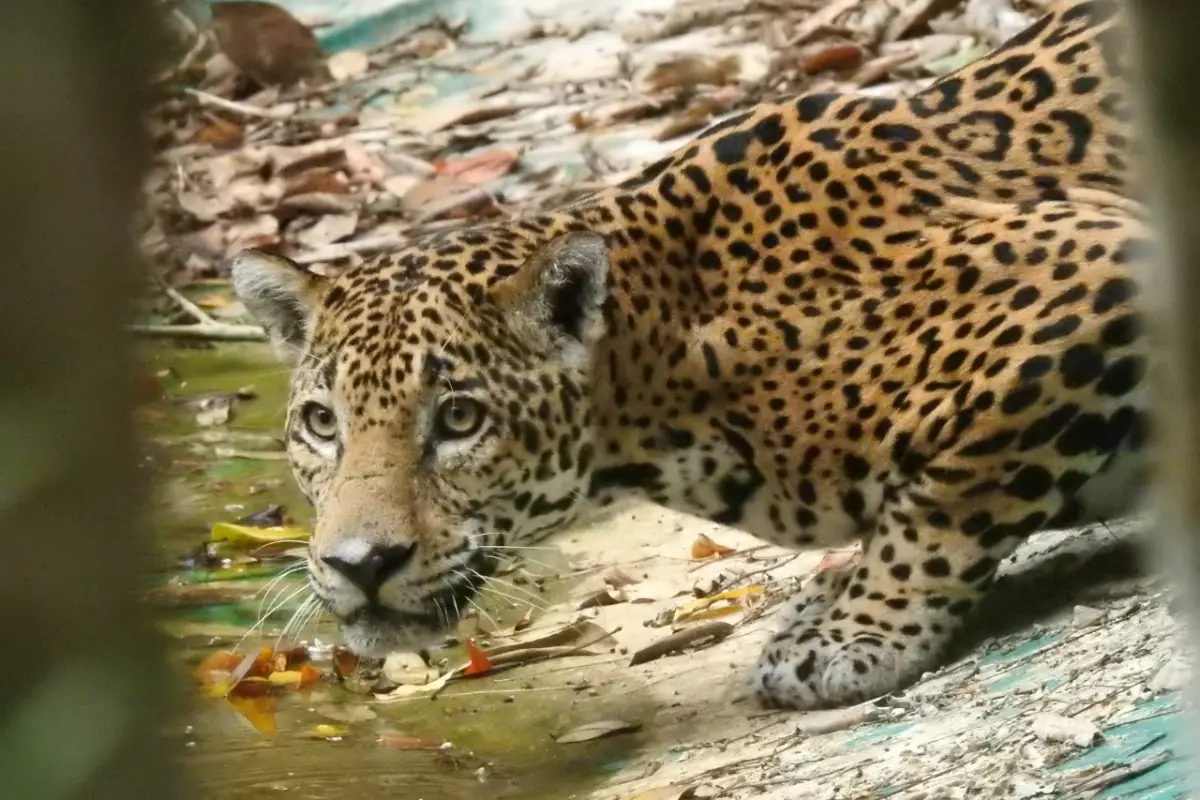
(370, 566)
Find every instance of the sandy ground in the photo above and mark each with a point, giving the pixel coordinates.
(1065, 686)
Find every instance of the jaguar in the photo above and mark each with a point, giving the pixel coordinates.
(910, 322)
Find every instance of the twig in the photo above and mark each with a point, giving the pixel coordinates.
(334, 252)
(194, 311)
(245, 109)
(215, 332)
(817, 20)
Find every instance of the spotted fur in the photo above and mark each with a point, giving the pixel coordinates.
(905, 321)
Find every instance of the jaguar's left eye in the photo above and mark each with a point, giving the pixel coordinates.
(458, 418)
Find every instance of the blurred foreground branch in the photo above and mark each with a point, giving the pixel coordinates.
(1165, 34)
(83, 695)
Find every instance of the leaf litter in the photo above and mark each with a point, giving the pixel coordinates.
(266, 140)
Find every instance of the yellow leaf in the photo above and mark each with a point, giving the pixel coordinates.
(717, 605)
(232, 532)
(326, 731)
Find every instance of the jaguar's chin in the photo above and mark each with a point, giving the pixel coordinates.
(376, 632)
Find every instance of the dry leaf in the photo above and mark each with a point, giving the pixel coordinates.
(445, 197)
(320, 203)
(604, 597)
(252, 535)
(316, 181)
(334, 733)
(220, 133)
(838, 56)
(705, 547)
(266, 43)
(479, 664)
(1057, 728)
(345, 662)
(347, 65)
(400, 185)
(717, 605)
(598, 730)
(258, 711)
(328, 229)
(215, 411)
(204, 208)
(617, 578)
(260, 231)
(708, 633)
(478, 168)
(686, 72)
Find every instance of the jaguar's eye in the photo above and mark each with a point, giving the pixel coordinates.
(458, 418)
(320, 421)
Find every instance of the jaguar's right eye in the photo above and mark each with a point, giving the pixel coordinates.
(320, 421)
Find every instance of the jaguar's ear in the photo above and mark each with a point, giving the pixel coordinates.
(282, 296)
(561, 290)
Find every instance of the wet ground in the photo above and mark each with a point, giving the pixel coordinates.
(212, 470)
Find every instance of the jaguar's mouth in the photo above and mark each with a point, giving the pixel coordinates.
(376, 629)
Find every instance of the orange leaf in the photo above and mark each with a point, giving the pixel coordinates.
(705, 547)
(217, 668)
(839, 56)
(480, 663)
(220, 133)
(258, 711)
(309, 676)
(480, 167)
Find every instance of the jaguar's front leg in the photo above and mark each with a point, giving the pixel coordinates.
(874, 627)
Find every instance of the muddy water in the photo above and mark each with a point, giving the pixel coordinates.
(499, 735)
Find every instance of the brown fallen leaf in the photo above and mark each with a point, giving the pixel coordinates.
(705, 547)
(838, 56)
(604, 597)
(320, 203)
(598, 730)
(686, 72)
(708, 633)
(444, 197)
(220, 133)
(267, 43)
(481, 167)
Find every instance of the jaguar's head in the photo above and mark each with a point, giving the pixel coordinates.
(439, 413)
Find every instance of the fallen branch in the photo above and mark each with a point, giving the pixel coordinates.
(245, 109)
(217, 332)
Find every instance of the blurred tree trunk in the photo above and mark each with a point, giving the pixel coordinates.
(1166, 45)
(83, 688)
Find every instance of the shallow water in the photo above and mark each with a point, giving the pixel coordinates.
(500, 735)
